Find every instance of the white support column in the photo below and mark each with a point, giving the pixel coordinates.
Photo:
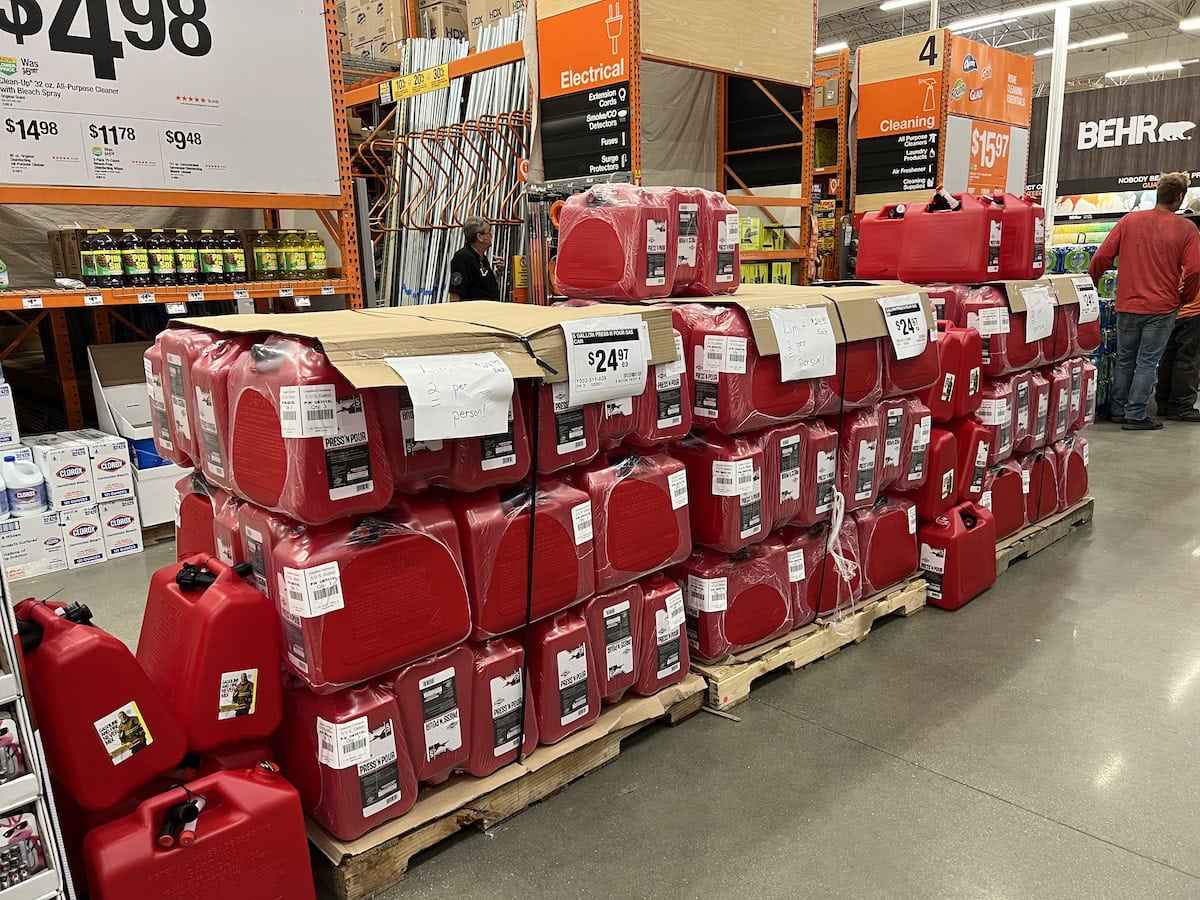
(1054, 115)
(934, 11)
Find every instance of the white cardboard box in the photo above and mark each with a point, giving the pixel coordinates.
(32, 546)
(83, 535)
(9, 433)
(156, 493)
(119, 386)
(67, 467)
(112, 473)
(122, 527)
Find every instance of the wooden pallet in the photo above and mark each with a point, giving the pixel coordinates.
(1035, 538)
(729, 681)
(356, 870)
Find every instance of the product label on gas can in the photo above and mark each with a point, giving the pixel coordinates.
(310, 593)
(508, 708)
(670, 407)
(947, 483)
(309, 410)
(178, 393)
(707, 594)
(677, 484)
(214, 455)
(751, 509)
(689, 233)
(408, 428)
(618, 640)
(573, 684)
(581, 522)
(729, 233)
(124, 733)
(347, 454)
(341, 745)
(379, 775)
(864, 483)
(667, 637)
(239, 694)
(981, 457)
(499, 451)
(795, 559)
(569, 431)
(1043, 411)
(826, 472)
(656, 252)
(933, 565)
(439, 710)
(892, 437)
(789, 468)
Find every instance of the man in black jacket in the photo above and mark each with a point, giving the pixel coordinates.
(472, 276)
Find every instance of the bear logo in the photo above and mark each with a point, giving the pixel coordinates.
(1175, 131)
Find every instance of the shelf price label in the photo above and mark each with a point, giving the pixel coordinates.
(286, 292)
(146, 297)
(432, 79)
(31, 303)
(93, 299)
(177, 309)
(327, 290)
(303, 302)
(195, 296)
(31, 129)
(606, 358)
(241, 294)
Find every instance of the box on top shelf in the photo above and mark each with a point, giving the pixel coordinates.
(445, 20)
(67, 467)
(111, 468)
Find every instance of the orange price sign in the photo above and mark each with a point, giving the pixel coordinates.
(991, 145)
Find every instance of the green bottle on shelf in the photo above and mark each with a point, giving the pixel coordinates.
(162, 258)
(134, 259)
(318, 260)
(266, 257)
(235, 257)
(87, 259)
(109, 271)
(187, 258)
(295, 256)
(212, 258)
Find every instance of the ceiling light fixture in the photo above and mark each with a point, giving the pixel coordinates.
(1192, 24)
(1173, 66)
(831, 48)
(1090, 42)
(1010, 15)
(889, 5)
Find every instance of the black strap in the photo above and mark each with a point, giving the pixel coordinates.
(530, 570)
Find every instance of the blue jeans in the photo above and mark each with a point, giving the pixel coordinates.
(1141, 340)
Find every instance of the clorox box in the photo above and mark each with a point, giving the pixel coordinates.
(67, 466)
(112, 474)
(32, 546)
(83, 535)
(122, 528)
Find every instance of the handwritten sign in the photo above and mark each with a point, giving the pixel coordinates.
(807, 347)
(456, 395)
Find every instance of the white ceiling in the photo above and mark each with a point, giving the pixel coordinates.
(1152, 26)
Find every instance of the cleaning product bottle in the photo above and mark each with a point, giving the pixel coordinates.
(235, 257)
(3, 500)
(212, 258)
(294, 256)
(314, 250)
(25, 487)
(87, 259)
(162, 257)
(266, 257)
(187, 258)
(109, 271)
(135, 261)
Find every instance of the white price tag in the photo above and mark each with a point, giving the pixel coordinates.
(795, 560)
(303, 302)
(1089, 299)
(905, 318)
(457, 395)
(581, 521)
(310, 593)
(677, 483)
(146, 297)
(285, 292)
(308, 410)
(31, 303)
(327, 290)
(807, 347)
(93, 299)
(606, 358)
(707, 594)
(912, 520)
(241, 294)
(177, 309)
(342, 745)
(1039, 312)
(675, 611)
(195, 296)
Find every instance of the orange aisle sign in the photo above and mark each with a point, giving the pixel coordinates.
(988, 83)
(991, 146)
(900, 106)
(583, 48)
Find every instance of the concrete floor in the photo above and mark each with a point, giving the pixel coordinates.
(1041, 742)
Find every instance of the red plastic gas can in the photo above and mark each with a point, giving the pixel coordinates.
(494, 525)
(1023, 243)
(107, 731)
(434, 696)
(879, 236)
(799, 471)
(181, 347)
(156, 388)
(729, 508)
(822, 579)
(1086, 337)
(887, 543)
(1040, 482)
(567, 436)
(947, 300)
(918, 425)
(996, 415)
(958, 555)
(735, 601)
(227, 530)
(955, 245)
(1037, 415)
(260, 531)
(907, 376)
(253, 816)
(1087, 403)
(1072, 464)
(858, 446)
(939, 492)
(663, 657)
(1058, 415)
(973, 442)
(562, 668)
(857, 382)
(194, 516)
(495, 460)
(210, 646)
(210, 384)
(663, 412)
(960, 362)
(892, 451)
(613, 245)
(500, 698)
(1004, 495)
(614, 625)
(303, 441)
(1005, 347)
(347, 756)
(415, 464)
(371, 594)
(639, 515)
(718, 251)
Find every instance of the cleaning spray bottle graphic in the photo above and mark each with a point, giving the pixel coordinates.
(615, 23)
(930, 99)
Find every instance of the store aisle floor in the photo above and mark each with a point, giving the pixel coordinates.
(1042, 742)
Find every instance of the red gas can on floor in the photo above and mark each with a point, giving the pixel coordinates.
(892, 452)
(799, 471)
(939, 492)
(996, 415)
(663, 657)
(495, 460)
(1040, 481)
(254, 815)
(227, 531)
(181, 347)
(562, 668)
(1037, 415)
(434, 696)
(958, 555)
(1087, 403)
(303, 441)
(960, 362)
(947, 300)
(347, 756)
(735, 601)
(879, 236)
(1004, 495)
(955, 245)
(918, 425)
(500, 698)
(718, 252)
(1058, 415)
(107, 731)
(973, 442)
(1023, 242)
(614, 620)
(1071, 460)
(639, 515)
(887, 543)
(415, 464)
(160, 415)
(494, 525)
(371, 594)
(858, 445)
(210, 382)
(729, 507)
(1005, 346)
(567, 436)
(857, 382)
(613, 245)
(822, 579)
(194, 516)
(663, 412)
(210, 646)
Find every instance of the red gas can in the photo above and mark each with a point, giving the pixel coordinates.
(369, 595)
(194, 516)
(639, 515)
(887, 543)
(253, 814)
(613, 245)
(960, 361)
(1087, 403)
(822, 578)
(303, 441)
(210, 645)
(958, 555)
(1005, 347)
(210, 383)
(1086, 337)
(996, 415)
(683, 230)
(799, 471)
(492, 461)
(718, 251)
(940, 489)
(562, 668)
(567, 436)
(959, 244)
(735, 601)
(181, 347)
(260, 532)
(494, 525)
(1058, 414)
(857, 382)
(227, 531)
(1004, 495)
(1071, 460)
(1036, 415)
(1019, 386)
(907, 376)
(729, 508)
(434, 696)
(973, 442)
(1023, 243)
(156, 388)
(892, 456)
(347, 756)
(1040, 482)
(879, 237)
(663, 657)
(858, 445)
(614, 626)
(415, 464)
(500, 698)
(918, 425)
(663, 412)
(105, 741)
(947, 300)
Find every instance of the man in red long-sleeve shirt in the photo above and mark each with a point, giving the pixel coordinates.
(1160, 270)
